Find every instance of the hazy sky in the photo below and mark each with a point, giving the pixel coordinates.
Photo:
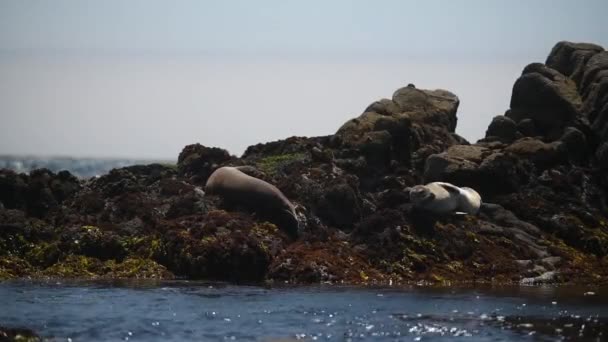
(144, 78)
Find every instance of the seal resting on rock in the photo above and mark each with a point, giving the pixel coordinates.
(444, 198)
(237, 187)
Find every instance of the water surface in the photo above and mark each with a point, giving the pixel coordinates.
(181, 310)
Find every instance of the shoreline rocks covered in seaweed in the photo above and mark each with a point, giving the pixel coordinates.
(542, 171)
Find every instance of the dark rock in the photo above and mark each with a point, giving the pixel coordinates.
(477, 167)
(433, 107)
(380, 138)
(502, 127)
(574, 144)
(341, 205)
(600, 124)
(596, 64)
(547, 97)
(457, 162)
(197, 162)
(570, 58)
(527, 128)
(602, 156)
(12, 189)
(540, 153)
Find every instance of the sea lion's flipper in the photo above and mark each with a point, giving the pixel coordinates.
(290, 223)
(452, 189)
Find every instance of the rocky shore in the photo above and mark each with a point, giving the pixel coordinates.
(542, 171)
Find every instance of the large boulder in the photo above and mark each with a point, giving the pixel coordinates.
(433, 107)
(414, 122)
(570, 58)
(547, 97)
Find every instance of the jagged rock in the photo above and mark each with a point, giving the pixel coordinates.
(570, 58)
(197, 162)
(502, 127)
(547, 97)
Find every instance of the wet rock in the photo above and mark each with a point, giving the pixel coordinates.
(18, 334)
(92, 241)
(545, 278)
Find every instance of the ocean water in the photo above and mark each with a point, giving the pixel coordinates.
(182, 310)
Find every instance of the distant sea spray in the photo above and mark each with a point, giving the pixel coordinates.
(80, 167)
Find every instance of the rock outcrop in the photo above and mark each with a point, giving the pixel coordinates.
(542, 171)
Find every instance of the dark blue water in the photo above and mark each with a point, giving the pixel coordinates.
(173, 311)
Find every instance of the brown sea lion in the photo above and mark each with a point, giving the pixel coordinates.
(237, 187)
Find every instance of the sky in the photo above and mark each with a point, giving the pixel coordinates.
(142, 79)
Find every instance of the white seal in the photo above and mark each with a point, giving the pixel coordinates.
(444, 198)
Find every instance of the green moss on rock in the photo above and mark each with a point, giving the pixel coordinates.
(272, 164)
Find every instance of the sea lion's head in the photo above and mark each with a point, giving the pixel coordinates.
(420, 195)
